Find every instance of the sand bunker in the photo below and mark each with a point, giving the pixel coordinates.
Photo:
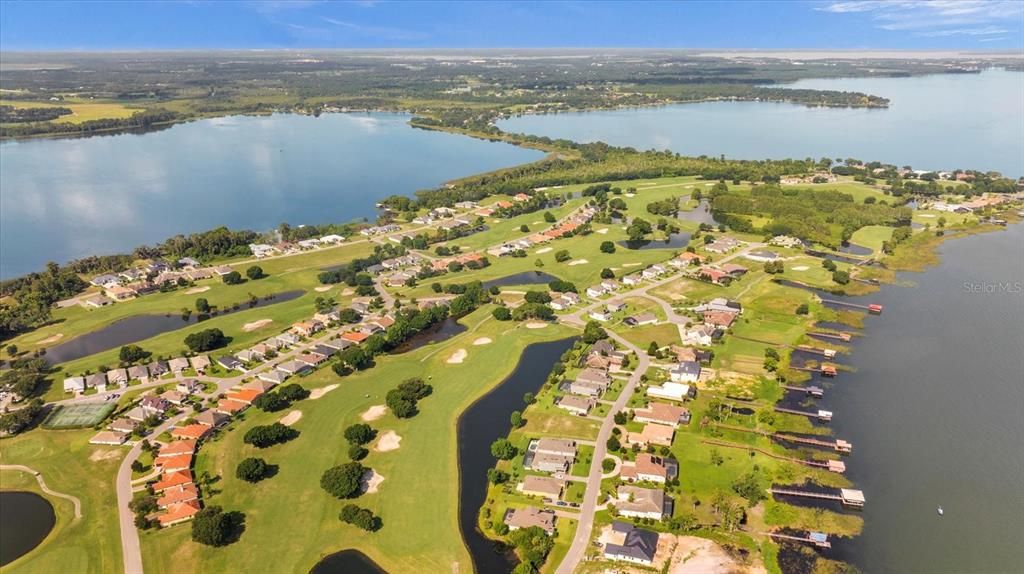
(324, 288)
(602, 231)
(544, 250)
(195, 290)
(457, 357)
(928, 215)
(371, 482)
(801, 268)
(373, 413)
(98, 455)
(536, 325)
(483, 341)
(630, 195)
(256, 325)
(578, 262)
(347, 292)
(388, 441)
(317, 393)
(291, 418)
(52, 339)
(631, 264)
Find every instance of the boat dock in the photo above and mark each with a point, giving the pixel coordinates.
(847, 496)
(821, 415)
(836, 466)
(844, 337)
(874, 308)
(815, 392)
(826, 370)
(827, 353)
(839, 445)
(818, 539)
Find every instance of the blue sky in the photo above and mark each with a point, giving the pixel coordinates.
(841, 24)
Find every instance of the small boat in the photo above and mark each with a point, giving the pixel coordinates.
(940, 511)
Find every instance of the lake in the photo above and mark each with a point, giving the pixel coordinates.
(347, 562)
(934, 413)
(939, 122)
(485, 421)
(25, 520)
(69, 198)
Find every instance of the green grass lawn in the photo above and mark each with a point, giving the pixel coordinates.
(70, 465)
(292, 523)
(81, 110)
(872, 236)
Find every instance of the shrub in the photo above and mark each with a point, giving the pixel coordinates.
(502, 314)
(271, 402)
(496, 476)
(607, 247)
(360, 517)
(269, 435)
(357, 452)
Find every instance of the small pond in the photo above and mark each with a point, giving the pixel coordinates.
(347, 562)
(433, 334)
(25, 520)
(675, 240)
(141, 327)
(524, 278)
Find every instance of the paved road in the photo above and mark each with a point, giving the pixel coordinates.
(42, 486)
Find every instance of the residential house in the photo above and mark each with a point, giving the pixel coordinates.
(354, 336)
(596, 290)
(313, 359)
(96, 380)
(174, 397)
(662, 414)
(288, 339)
(293, 368)
(762, 256)
(560, 304)
(211, 418)
(557, 446)
(119, 293)
(245, 396)
(700, 335)
(652, 434)
(734, 269)
(719, 304)
(190, 432)
(685, 259)
(713, 275)
(685, 372)
(231, 363)
(177, 495)
(785, 241)
(273, 376)
(248, 356)
(638, 502)
(549, 462)
(138, 372)
(178, 513)
(653, 271)
(174, 463)
(158, 369)
(189, 386)
(338, 344)
(230, 407)
(123, 425)
(96, 301)
(154, 405)
(74, 385)
(610, 285)
(671, 391)
(641, 319)
(261, 386)
(648, 467)
(200, 363)
(307, 328)
(576, 405)
(631, 544)
(178, 447)
(105, 280)
(137, 414)
(360, 307)
(178, 364)
(544, 486)
(326, 239)
(172, 479)
(222, 270)
(598, 315)
(719, 318)
(722, 245)
(118, 377)
(109, 438)
(632, 280)
(327, 316)
(615, 306)
(573, 298)
(529, 516)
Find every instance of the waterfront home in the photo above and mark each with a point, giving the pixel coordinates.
(75, 385)
(555, 446)
(762, 256)
(307, 328)
(260, 250)
(641, 319)
(109, 438)
(177, 364)
(189, 386)
(671, 391)
(200, 363)
(555, 463)
(701, 335)
(628, 543)
(96, 380)
(96, 301)
(585, 388)
(310, 243)
(517, 518)
(326, 239)
(648, 467)
(544, 486)
(652, 434)
(211, 418)
(274, 376)
(138, 372)
(105, 280)
(638, 502)
(719, 318)
(158, 369)
(662, 414)
(231, 363)
(576, 405)
(288, 339)
(118, 377)
(685, 372)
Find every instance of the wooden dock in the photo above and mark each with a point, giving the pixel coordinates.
(836, 466)
(826, 370)
(873, 308)
(817, 539)
(844, 337)
(815, 392)
(847, 496)
(827, 353)
(838, 445)
(821, 415)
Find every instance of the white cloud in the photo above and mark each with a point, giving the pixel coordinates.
(936, 18)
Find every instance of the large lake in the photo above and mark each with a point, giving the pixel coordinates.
(69, 198)
(940, 122)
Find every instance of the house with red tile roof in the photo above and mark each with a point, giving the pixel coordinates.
(178, 447)
(177, 495)
(173, 463)
(177, 513)
(354, 336)
(194, 432)
(172, 479)
(228, 407)
(246, 396)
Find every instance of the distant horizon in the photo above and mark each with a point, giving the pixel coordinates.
(105, 26)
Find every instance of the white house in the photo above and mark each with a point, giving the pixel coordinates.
(670, 391)
(74, 384)
(685, 372)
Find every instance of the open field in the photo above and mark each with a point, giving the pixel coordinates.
(81, 110)
(291, 522)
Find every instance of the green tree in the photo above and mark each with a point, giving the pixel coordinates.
(12, 350)
(213, 527)
(360, 517)
(524, 228)
(268, 435)
(613, 443)
(607, 247)
(562, 255)
(343, 481)
(271, 402)
(255, 272)
(502, 314)
(502, 449)
(251, 469)
(357, 452)
(202, 305)
(593, 332)
(233, 278)
(516, 418)
(359, 433)
(132, 353)
(549, 217)
(205, 340)
(495, 476)
(841, 277)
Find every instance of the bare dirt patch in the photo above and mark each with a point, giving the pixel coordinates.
(801, 268)
(317, 393)
(324, 288)
(52, 339)
(632, 264)
(388, 441)
(602, 231)
(693, 555)
(256, 325)
(536, 325)
(483, 341)
(195, 290)
(371, 482)
(98, 455)
(291, 418)
(578, 262)
(457, 357)
(373, 413)
(544, 250)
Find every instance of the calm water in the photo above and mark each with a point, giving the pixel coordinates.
(140, 327)
(69, 198)
(484, 422)
(25, 520)
(347, 562)
(934, 413)
(524, 278)
(433, 334)
(939, 122)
